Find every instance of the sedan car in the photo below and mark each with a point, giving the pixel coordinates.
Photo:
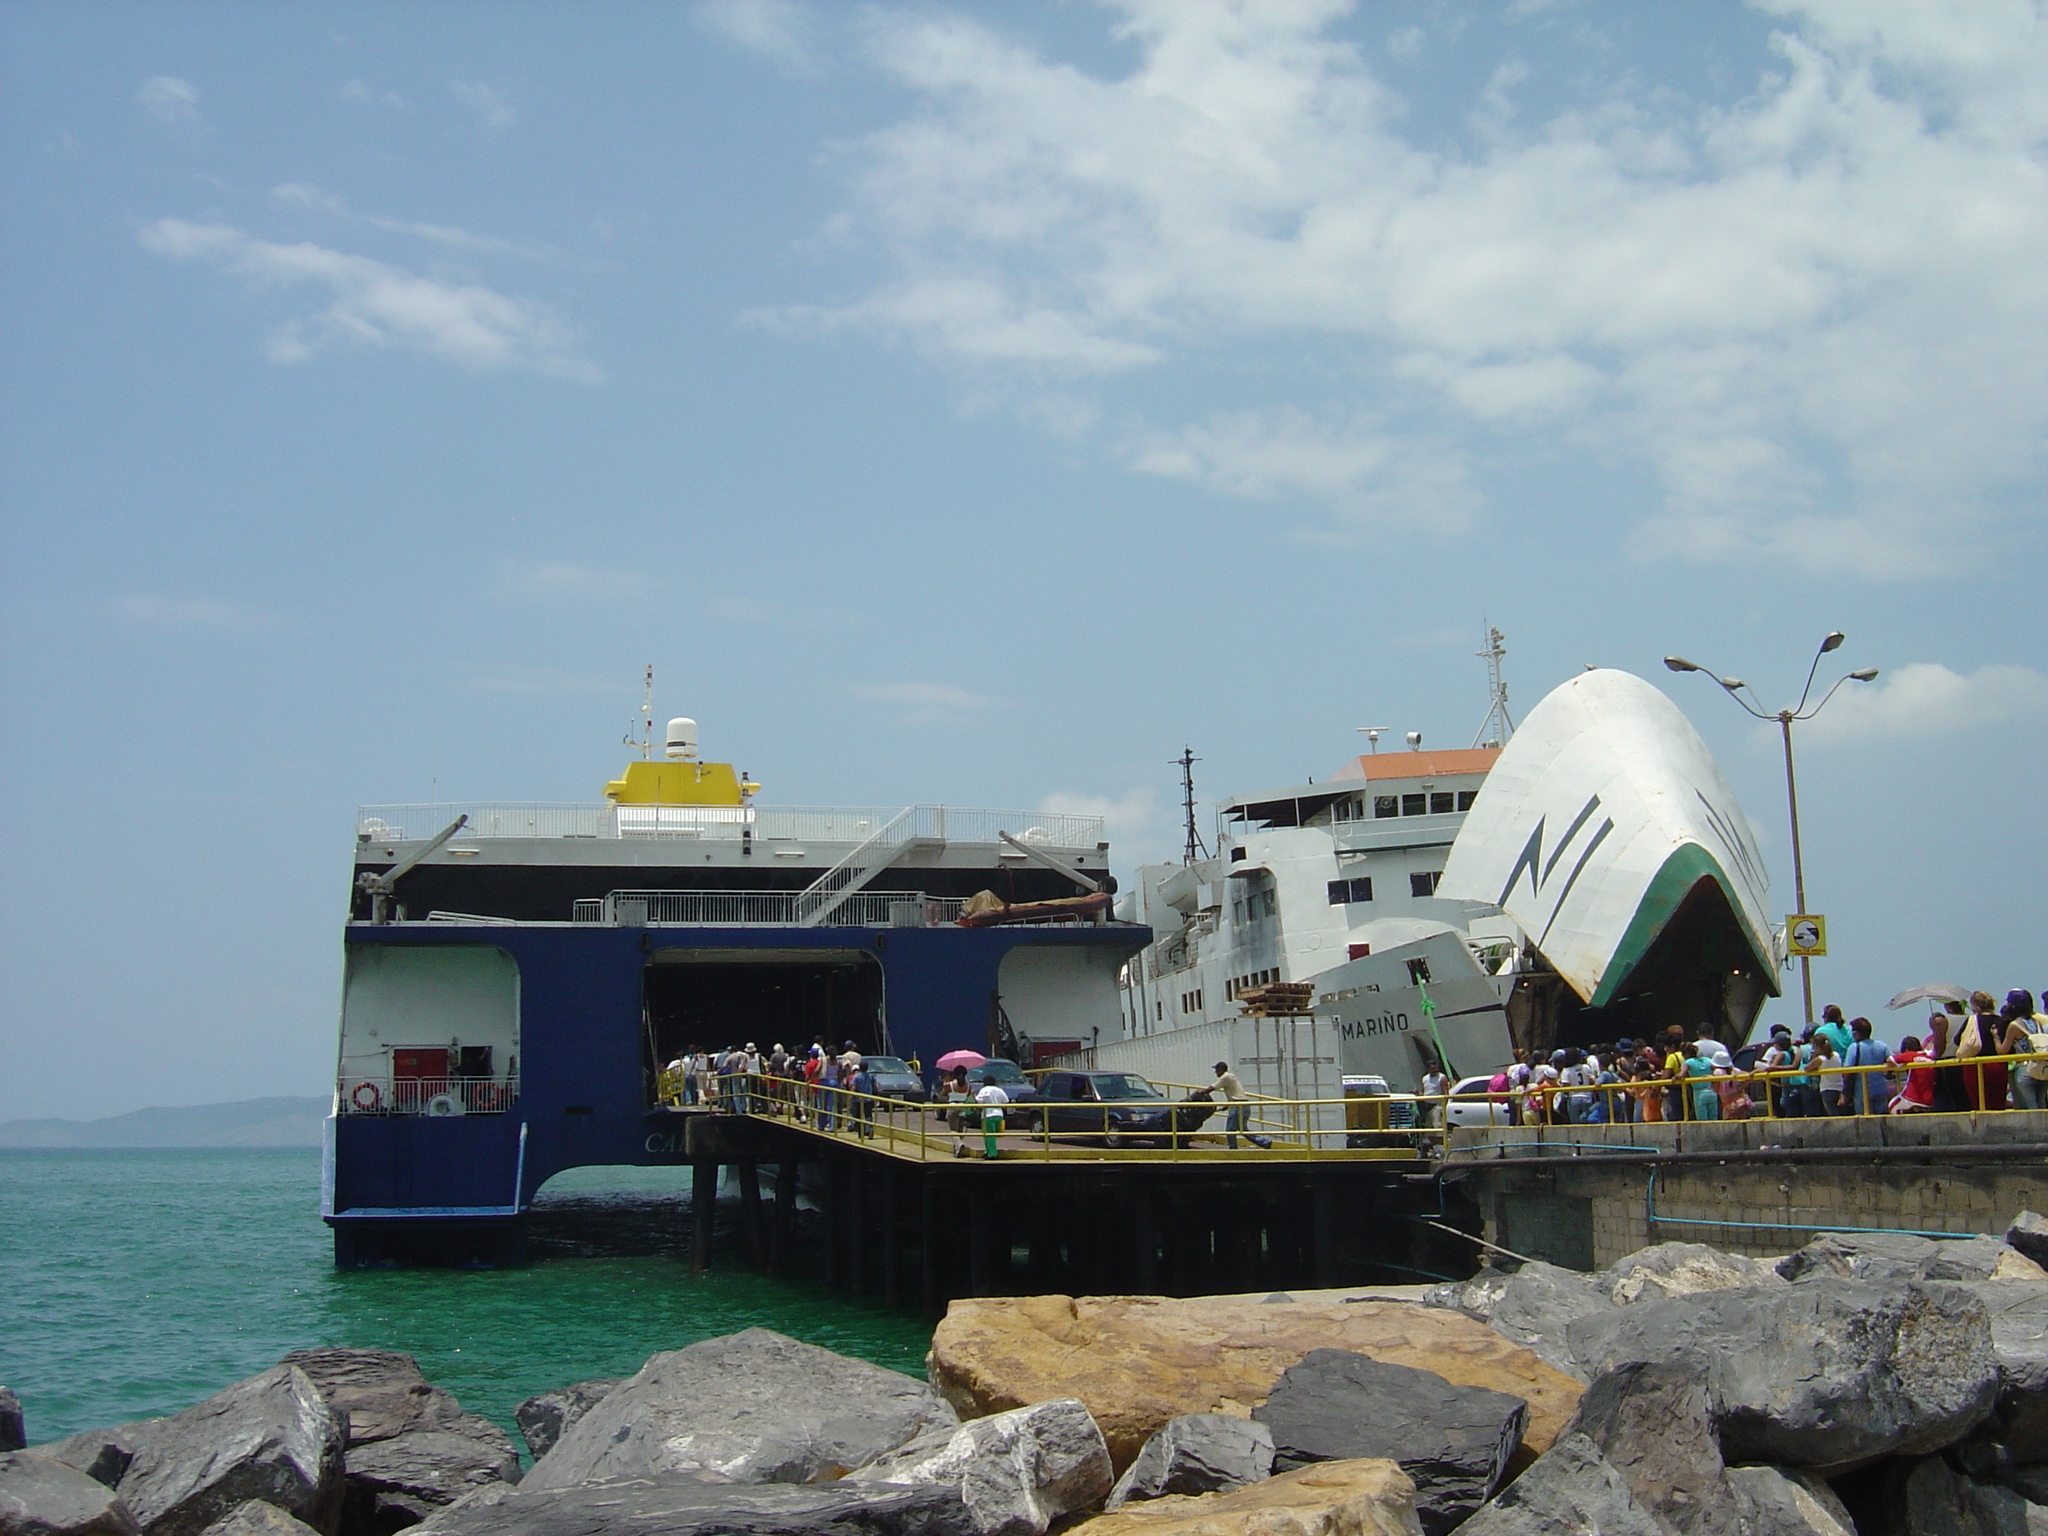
(1114, 1105)
(894, 1079)
(1473, 1103)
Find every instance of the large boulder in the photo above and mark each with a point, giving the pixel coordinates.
(41, 1496)
(2029, 1235)
(1453, 1441)
(1665, 1270)
(1138, 1361)
(1330, 1498)
(1572, 1490)
(382, 1391)
(1928, 1497)
(1197, 1453)
(1900, 1256)
(101, 1454)
(544, 1417)
(754, 1407)
(1826, 1374)
(1017, 1472)
(255, 1518)
(1783, 1501)
(13, 1427)
(271, 1437)
(2019, 1335)
(686, 1506)
(1535, 1307)
(398, 1482)
(1653, 1425)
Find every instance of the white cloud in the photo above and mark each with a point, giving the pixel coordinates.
(190, 612)
(557, 581)
(486, 101)
(778, 30)
(1130, 814)
(1817, 312)
(924, 703)
(313, 199)
(171, 101)
(1927, 703)
(363, 95)
(375, 304)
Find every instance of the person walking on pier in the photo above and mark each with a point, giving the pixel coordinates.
(1229, 1087)
(862, 1104)
(1984, 1084)
(2026, 1032)
(958, 1097)
(1870, 1093)
(991, 1100)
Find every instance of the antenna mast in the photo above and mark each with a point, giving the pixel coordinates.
(646, 742)
(1499, 725)
(1187, 761)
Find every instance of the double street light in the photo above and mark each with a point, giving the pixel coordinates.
(1735, 688)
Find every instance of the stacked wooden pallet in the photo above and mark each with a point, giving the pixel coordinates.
(1276, 997)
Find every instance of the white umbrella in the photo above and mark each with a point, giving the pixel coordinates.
(1939, 990)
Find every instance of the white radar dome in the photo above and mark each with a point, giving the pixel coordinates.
(682, 739)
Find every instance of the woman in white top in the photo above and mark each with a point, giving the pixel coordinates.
(1833, 1082)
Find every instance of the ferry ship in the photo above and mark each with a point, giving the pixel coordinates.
(516, 975)
(1586, 877)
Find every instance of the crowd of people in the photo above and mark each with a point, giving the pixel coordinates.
(834, 1087)
(1836, 1067)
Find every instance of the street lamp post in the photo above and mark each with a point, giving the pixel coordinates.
(1735, 687)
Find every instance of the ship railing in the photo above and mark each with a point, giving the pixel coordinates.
(1052, 830)
(764, 909)
(431, 1097)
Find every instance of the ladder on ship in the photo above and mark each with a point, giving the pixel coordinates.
(915, 826)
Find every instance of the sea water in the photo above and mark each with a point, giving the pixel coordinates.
(135, 1283)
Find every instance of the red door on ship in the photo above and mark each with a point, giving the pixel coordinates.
(418, 1073)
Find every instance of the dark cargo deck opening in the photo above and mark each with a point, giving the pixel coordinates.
(702, 999)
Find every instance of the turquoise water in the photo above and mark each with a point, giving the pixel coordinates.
(138, 1282)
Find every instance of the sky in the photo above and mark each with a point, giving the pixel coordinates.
(978, 404)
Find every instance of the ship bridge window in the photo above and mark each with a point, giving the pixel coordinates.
(1344, 892)
(1423, 882)
(1466, 797)
(1386, 805)
(1415, 805)
(1440, 802)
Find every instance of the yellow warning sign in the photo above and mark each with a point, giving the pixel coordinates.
(1806, 935)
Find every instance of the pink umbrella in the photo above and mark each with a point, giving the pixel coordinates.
(954, 1059)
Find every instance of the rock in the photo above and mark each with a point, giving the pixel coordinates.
(1572, 1490)
(543, 1418)
(400, 1481)
(1783, 1501)
(1928, 1497)
(271, 1437)
(1453, 1441)
(1898, 1256)
(1653, 1425)
(1664, 1270)
(255, 1518)
(1198, 1453)
(2018, 1311)
(381, 1391)
(685, 1506)
(1536, 1306)
(1137, 1361)
(1017, 1472)
(754, 1407)
(1476, 1297)
(101, 1454)
(1824, 1374)
(1331, 1498)
(2029, 1235)
(41, 1496)
(13, 1428)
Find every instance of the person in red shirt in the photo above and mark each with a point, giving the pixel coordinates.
(1918, 1094)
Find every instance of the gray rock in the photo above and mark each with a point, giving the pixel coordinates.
(271, 1437)
(2018, 1310)
(2029, 1234)
(255, 1518)
(1536, 1306)
(1783, 1501)
(1928, 1497)
(683, 1506)
(1197, 1453)
(754, 1407)
(400, 1481)
(13, 1428)
(1897, 1256)
(1571, 1490)
(1653, 1425)
(41, 1496)
(2029, 1481)
(1475, 1297)
(543, 1417)
(1825, 1374)
(381, 1391)
(1664, 1270)
(101, 1454)
(1016, 1472)
(1453, 1441)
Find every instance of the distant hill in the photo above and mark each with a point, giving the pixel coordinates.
(279, 1122)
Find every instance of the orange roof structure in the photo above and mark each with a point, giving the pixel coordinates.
(1374, 766)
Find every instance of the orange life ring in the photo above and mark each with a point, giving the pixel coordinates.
(376, 1100)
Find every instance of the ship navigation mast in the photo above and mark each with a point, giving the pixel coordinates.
(1499, 725)
(1195, 847)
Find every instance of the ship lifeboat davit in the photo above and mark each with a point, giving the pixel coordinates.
(1607, 831)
